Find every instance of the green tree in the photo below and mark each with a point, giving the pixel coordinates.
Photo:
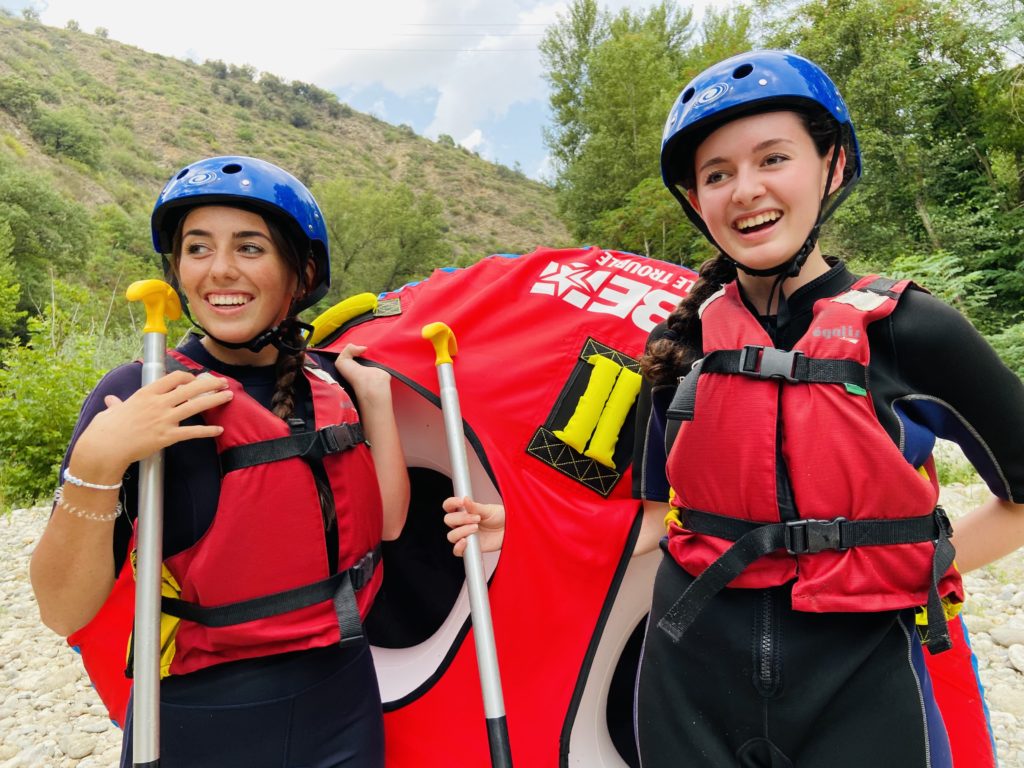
(650, 222)
(614, 80)
(941, 148)
(613, 124)
(381, 236)
(565, 51)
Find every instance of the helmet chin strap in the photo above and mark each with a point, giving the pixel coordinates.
(281, 335)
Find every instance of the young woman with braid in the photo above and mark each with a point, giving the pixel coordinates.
(785, 438)
(283, 472)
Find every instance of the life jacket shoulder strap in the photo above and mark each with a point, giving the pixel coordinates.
(309, 446)
(759, 362)
(175, 361)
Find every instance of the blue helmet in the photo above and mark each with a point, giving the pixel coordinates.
(253, 184)
(756, 81)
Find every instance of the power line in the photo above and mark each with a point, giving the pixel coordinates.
(468, 24)
(462, 34)
(437, 50)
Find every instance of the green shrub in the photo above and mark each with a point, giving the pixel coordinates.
(14, 145)
(66, 132)
(1010, 346)
(17, 96)
(952, 466)
(42, 385)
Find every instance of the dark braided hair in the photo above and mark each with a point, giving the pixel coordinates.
(288, 366)
(671, 356)
(289, 363)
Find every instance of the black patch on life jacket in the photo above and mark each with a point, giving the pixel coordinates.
(564, 458)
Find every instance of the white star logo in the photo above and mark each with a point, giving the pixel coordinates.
(573, 282)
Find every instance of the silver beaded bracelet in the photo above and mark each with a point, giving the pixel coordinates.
(69, 478)
(59, 503)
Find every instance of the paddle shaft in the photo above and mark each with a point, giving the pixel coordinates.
(149, 546)
(476, 579)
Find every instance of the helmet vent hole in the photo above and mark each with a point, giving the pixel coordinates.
(742, 71)
(182, 175)
(231, 168)
(688, 95)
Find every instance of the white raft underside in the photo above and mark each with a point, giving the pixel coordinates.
(404, 672)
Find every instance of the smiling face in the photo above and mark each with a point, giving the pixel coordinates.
(758, 185)
(237, 281)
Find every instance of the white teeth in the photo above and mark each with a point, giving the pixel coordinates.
(753, 221)
(227, 300)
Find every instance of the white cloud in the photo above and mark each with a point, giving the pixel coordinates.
(546, 170)
(478, 56)
(473, 141)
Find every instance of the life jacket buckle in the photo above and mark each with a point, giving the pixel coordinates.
(944, 523)
(769, 362)
(333, 439)
(807, 537)
(330, 438)
(362, 571)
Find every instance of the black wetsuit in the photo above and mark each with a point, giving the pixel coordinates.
(755, 683)
(309, 708)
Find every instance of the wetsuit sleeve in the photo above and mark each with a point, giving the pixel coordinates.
(961, 390)
(121, 382)
(649, 480)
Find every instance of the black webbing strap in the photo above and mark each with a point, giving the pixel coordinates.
(763, 363)
(883, 286)
(304, 445)
(171, 363)
(803, 537)
(340, 588)
(792, 366)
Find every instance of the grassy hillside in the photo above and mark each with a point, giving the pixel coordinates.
(108, 123)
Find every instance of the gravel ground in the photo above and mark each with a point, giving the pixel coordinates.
(50, 717)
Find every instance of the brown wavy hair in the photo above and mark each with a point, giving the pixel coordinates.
(288, 363)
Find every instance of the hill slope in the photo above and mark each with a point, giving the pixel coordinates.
(109, 123)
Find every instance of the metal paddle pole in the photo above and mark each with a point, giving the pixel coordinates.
(160, 301)
(441, 336)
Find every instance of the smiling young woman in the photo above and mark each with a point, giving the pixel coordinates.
(236, 277)
(271, 488)
(785, 429)
(759, 180)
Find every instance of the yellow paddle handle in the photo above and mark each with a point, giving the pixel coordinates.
(445, 346)
(160, 301)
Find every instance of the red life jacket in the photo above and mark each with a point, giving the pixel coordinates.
(234, 603)
(839, 460)
(271, 513)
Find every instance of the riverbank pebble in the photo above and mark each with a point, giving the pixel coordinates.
(50, 716)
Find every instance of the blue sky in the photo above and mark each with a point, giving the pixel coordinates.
(466, 68)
